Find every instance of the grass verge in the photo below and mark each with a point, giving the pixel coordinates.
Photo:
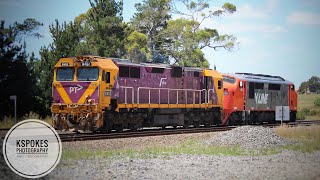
(308, 138)
(8, 122)
(307, 108)
(186, 147)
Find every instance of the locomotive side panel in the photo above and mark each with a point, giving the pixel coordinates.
(266, 96)
(158, 85)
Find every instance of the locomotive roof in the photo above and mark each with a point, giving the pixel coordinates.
(156, 65)
(260, 78)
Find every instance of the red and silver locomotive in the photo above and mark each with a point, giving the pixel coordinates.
(255, 98)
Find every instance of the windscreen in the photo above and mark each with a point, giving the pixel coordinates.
(65, 74)
(87, 74)
(229, 79)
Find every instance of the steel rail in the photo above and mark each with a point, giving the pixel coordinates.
(142, 133)
(158, 132)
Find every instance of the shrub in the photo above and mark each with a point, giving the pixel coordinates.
(317, 102)
(301, 115)
(306, 111)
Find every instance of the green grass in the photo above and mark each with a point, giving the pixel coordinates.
(306, 103)
(191, 147)
(308, 138)
(186, 147)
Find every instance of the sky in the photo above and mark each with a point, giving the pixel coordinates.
(276, 37)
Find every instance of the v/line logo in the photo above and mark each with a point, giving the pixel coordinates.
(261, 98)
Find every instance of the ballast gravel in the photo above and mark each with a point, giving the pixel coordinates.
(286, 165)
(248, 138)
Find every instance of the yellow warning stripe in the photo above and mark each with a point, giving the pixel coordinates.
(91, 88)
(62, 93)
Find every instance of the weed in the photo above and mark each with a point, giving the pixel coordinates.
(307, 136)
(317, 102)
(8, 122)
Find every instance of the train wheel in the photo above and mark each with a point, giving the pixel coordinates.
(119, 127)
(196, 124)
(133, 127)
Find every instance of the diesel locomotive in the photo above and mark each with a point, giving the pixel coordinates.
(254, 98)
(103, 94)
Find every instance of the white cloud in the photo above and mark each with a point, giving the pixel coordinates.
(238, 27)
(248, 12)
(304, 18)
(245, 41)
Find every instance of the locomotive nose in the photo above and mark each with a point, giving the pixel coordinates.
(75, 92)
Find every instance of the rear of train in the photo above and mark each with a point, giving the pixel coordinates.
(257, 98)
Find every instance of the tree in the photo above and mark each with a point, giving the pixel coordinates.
(106, 33)
(186, 38)
(137, 48)
(303, 87)
(15, 77)
(151, 19)
(100, 31)
(313, 84)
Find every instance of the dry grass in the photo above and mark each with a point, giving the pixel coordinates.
(308, 136)
(306, 101)
(8, 122)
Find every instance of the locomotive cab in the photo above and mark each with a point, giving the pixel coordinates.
(81, 90)
(104, 94)
(257, 98)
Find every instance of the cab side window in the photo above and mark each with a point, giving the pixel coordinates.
(220, 84)
(251, 90)
(107, 77)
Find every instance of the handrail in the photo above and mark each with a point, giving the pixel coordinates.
(213, 91)
(177, 92)
(125, 93)
(194, 91)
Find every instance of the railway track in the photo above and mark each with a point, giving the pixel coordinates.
(142, 133)
(67, 137)
(159, 132)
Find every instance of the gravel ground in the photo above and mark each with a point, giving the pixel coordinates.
(248, 138)
(286, 165)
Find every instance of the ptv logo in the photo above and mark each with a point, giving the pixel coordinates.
(261, 98)
(75, 89)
